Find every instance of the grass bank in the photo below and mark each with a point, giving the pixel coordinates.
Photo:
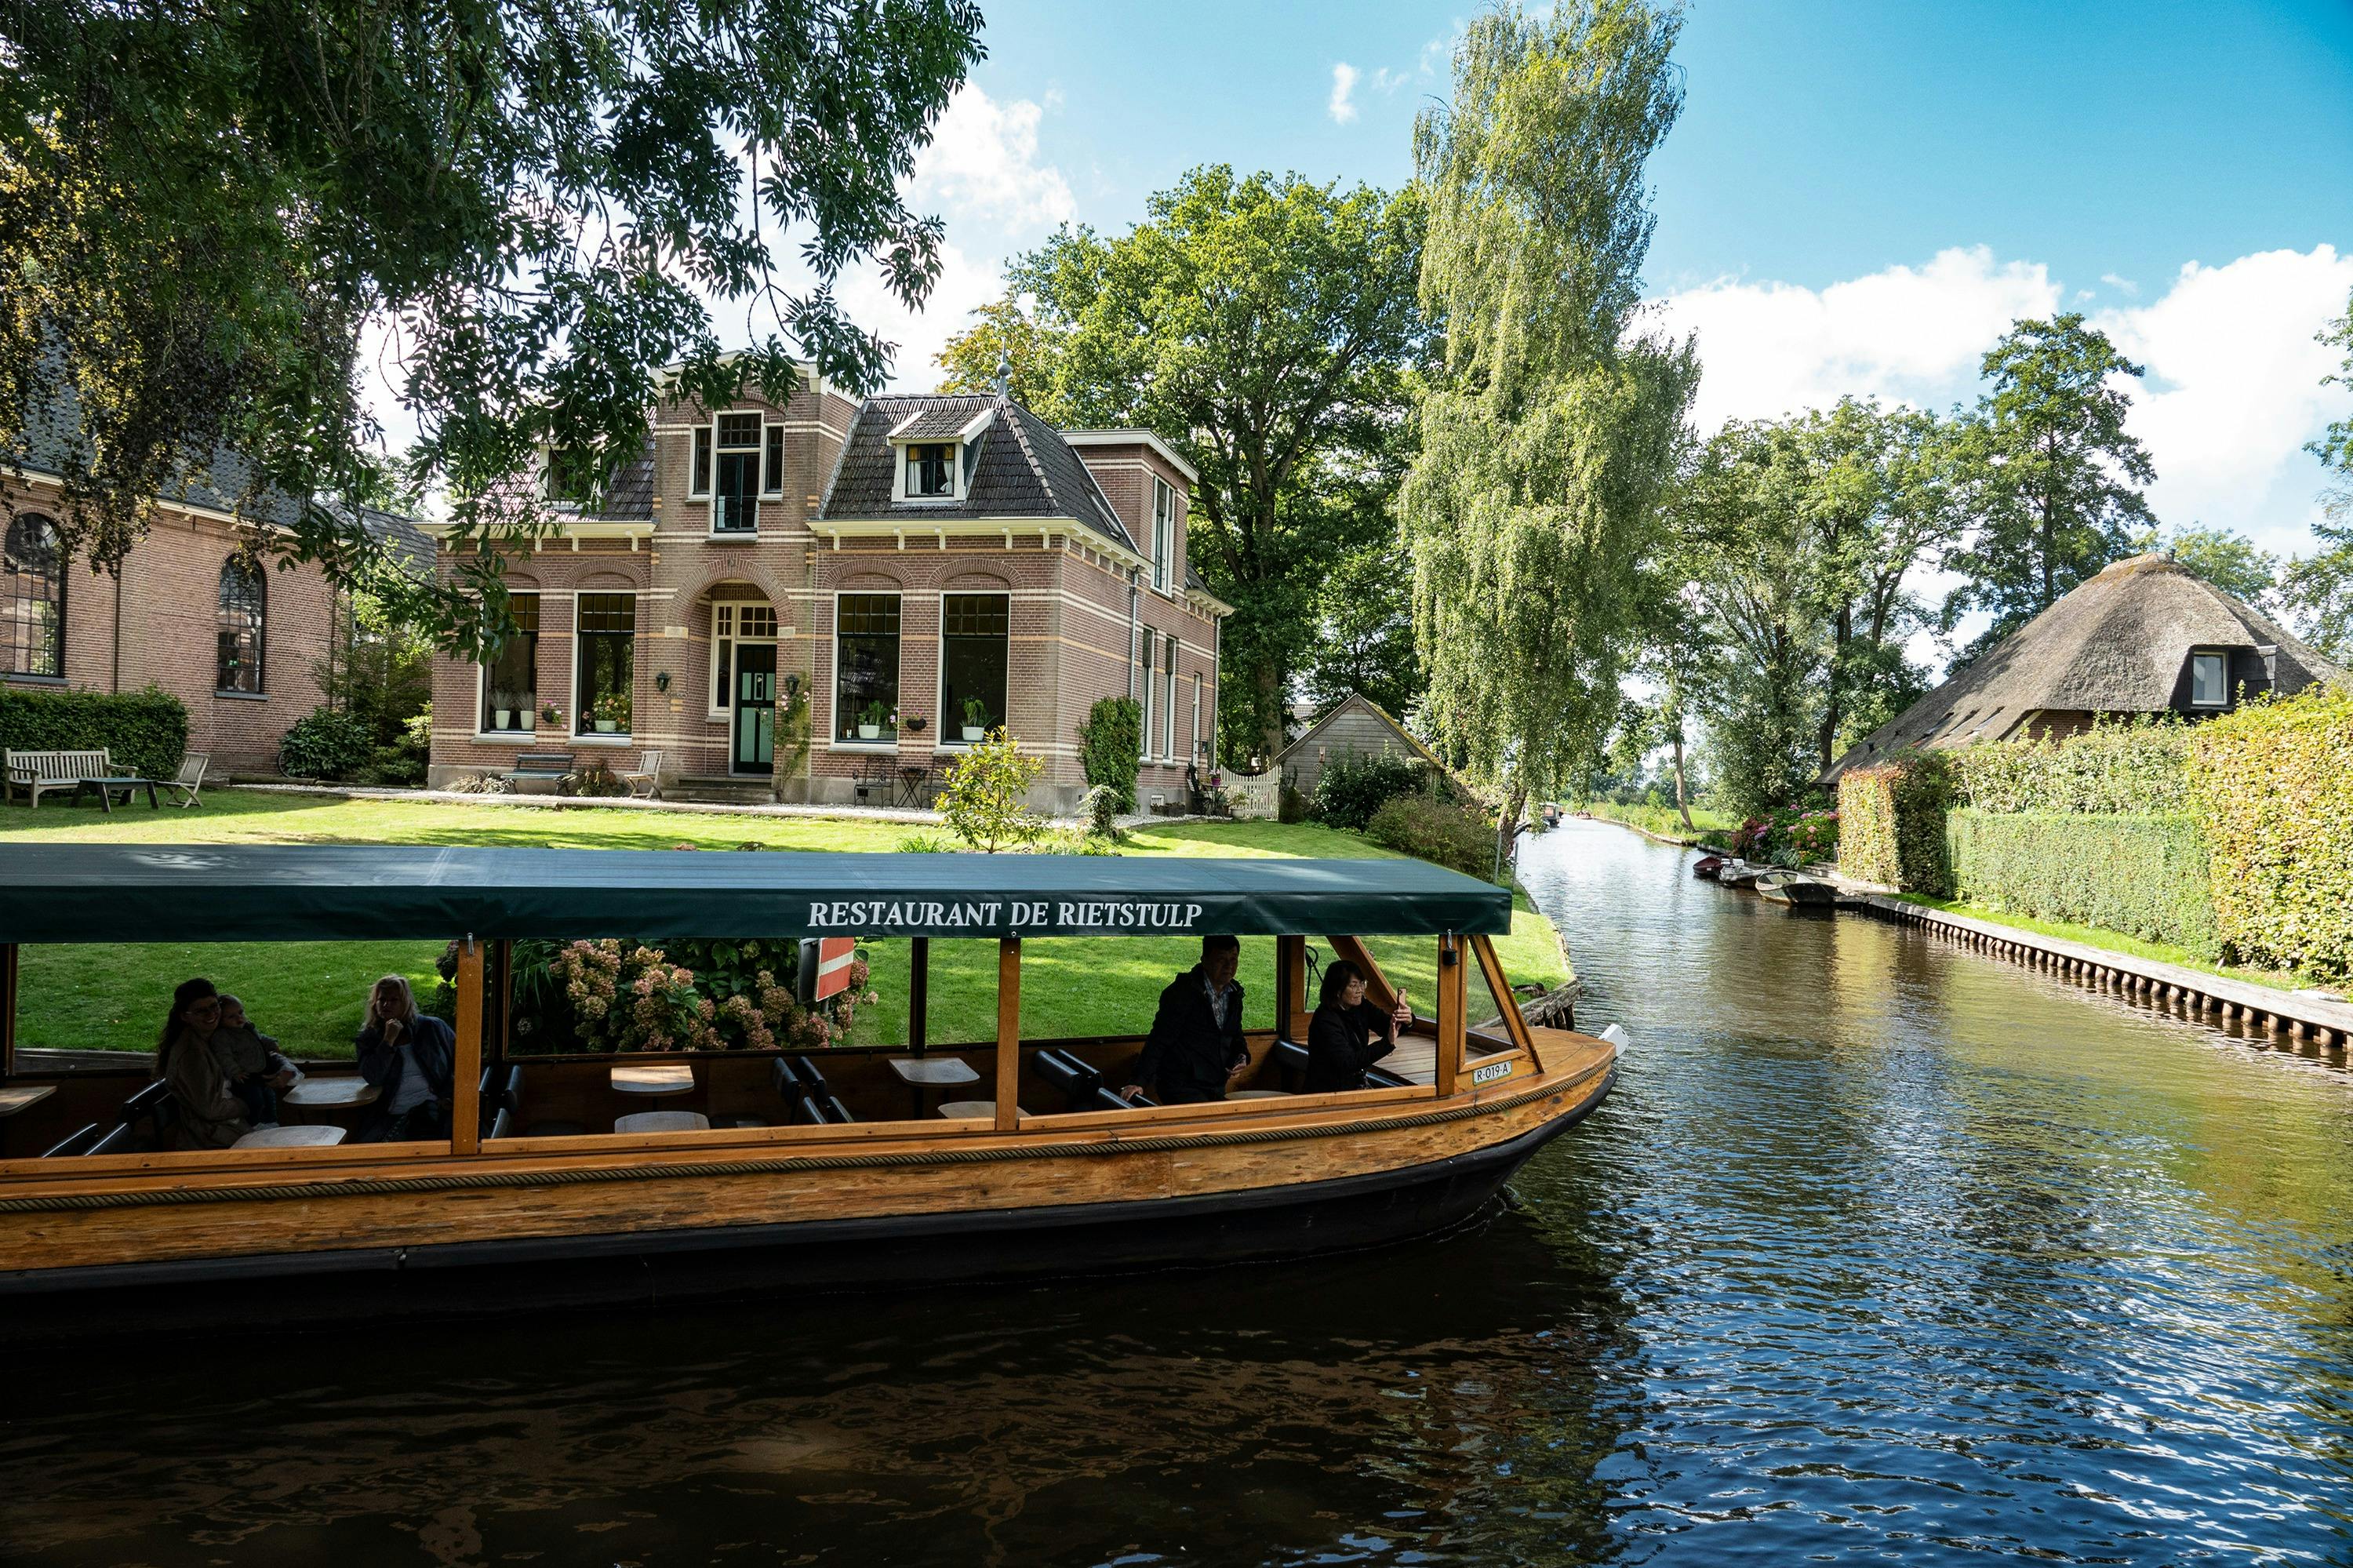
(310, 995)
(2109, 941)
(1663, 822)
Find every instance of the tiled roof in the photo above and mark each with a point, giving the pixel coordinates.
(931, 425)
(1025, 468)
(630, 496)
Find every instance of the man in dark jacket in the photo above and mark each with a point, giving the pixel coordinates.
(1196, 1048)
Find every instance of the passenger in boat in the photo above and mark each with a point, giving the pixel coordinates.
(209, 1116)
(411, 1058)
(249, 1060)
(1196, 1049)
(1347, 1033)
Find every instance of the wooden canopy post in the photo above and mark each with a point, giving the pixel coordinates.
(1290, 988)
(7, 1010)
(1009, 1032)
(466, 1114)
(1453, 1017)
(1514, 1024)
(919, 991)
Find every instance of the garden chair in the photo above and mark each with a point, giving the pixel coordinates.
(190, 779)
(646, 782)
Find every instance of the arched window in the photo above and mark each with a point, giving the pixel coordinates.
(32, 599)
(243, 609)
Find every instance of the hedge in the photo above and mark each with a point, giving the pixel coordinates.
(1892, 823)
(1111, 746)
(1460, 838)
(2115, 767)
(2146, 876)
(2271, 785)
(144, 733)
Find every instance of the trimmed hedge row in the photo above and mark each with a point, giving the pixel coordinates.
(2272, 788)
(2147, 876)
(146, 733)
(2114, 768)
(1892, 823)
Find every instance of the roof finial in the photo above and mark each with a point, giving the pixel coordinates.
(1004, 375)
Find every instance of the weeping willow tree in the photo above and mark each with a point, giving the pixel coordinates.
(1548, 445)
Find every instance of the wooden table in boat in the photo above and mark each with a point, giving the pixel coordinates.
(291, 1137)
(330, 1092)
(655, 1079)
(922, 1072)
(662, 1122)
(13, 1100)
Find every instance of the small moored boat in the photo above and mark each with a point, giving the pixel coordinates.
(1739, 874)
(1707, 867)
(1796, 889)
(794, 1165)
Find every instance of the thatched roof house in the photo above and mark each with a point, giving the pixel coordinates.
(2143, 637)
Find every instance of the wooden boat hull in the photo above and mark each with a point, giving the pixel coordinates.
(467, 1235)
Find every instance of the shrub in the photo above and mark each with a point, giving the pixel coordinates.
(482, 784)
(2116, 767)
(324, 744)
(1354, 786)
(1073, 840)
(921, 842)
(1111, 748)
(2271, 785)
(1099, 809)
(1892, 823)
(146, 733)
(986, 795)
(593, 780)
(1460, 838)
(2145, 877)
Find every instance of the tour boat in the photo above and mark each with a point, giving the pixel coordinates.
(785, 1168)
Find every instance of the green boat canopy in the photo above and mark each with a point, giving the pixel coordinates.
(206, 893)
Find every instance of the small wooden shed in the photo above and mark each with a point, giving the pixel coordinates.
(1355, 727)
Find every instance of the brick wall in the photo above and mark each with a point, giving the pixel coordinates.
(157, 625)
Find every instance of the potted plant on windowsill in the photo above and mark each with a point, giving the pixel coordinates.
(502, 718)
(526, 715)
(975, 720)
(610, 712)
(870, 720)
(550, 715)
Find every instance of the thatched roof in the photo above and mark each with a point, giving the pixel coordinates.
(2117, 644)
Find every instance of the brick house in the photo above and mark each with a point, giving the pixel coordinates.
(188, 613)
(895, 574)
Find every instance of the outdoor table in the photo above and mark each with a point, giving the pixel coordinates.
(107, 786)
(18, 1098)
(915, 786)
(662, 1122)
(921, 1072)
(970, 1110)
(291, 1137)
(655, 1079)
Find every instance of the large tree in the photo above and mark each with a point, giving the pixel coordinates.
(1266, 328)
(205, 208)
(1545, 449)
(2318, 589)
(2055, 481)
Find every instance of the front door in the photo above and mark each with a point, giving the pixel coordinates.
(755, 708)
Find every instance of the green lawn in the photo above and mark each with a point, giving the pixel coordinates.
(1663, 822)
(310, 995)
(2112, 941)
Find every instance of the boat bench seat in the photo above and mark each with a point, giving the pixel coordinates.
(1080, 1085)
(808, 1098)
(1290, 1059)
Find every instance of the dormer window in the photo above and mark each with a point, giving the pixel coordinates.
(2210, 679)
(933, 452)
(931, 470)
(571, 478)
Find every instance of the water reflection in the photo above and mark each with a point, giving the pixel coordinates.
(1882, 1248)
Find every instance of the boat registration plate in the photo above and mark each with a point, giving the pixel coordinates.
(1492, 1071)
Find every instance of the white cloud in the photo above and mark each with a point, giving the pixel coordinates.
(1343, 84)
(982, 163)
(2121, 285)
(965, 285)
(2234, 389)
(1910, 333)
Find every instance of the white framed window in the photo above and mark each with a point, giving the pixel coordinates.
(772, 473)
(1164, 533)
(2210, 678)
(1168, 706)
(510, 678)
(735, 474)
(604, 663)
(698, 473)
(1149, 644)
(732, 625)
(866, 669)
(976, 649)
(1196, 715)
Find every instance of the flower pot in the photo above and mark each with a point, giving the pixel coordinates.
(974, 735)
(505, 718)
(528, 717)
(606, 726)
(869, 732)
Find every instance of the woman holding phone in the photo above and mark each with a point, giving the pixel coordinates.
(1347, 1033)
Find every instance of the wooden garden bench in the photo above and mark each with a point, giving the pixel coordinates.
(39, 772)
(545, 766)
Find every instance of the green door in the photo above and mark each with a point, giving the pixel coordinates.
(755, 708)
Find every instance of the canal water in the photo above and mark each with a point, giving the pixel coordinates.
(1882, 1250)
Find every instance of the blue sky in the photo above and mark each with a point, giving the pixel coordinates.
(1858, 198)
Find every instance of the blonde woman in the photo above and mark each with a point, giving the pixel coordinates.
(410, 1057)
